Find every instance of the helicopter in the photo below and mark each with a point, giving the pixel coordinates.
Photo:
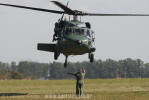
(72, 37)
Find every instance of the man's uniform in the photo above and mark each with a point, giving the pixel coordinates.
(80, 81)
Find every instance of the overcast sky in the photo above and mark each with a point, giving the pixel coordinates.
(116, 37)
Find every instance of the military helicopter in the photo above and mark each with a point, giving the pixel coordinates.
(72, 37)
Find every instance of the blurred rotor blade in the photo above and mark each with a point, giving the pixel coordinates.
(32, 8)
(67, 4)
(102, 14)
(64, 7)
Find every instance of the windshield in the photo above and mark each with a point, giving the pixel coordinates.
(77, 31)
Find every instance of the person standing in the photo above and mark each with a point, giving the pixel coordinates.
(79, 81)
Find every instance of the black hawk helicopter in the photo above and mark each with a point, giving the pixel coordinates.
(72, 37)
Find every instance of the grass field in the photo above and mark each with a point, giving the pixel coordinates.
(96, 89)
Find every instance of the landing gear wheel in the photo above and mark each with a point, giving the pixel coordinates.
(56, 55)
(65, 65)
(91, 57)
(66, 62)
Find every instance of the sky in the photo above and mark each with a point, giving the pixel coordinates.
(116, 37)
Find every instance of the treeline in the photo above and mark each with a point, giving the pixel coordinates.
(127, 68)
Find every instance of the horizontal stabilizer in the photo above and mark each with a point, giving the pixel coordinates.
(46, 47)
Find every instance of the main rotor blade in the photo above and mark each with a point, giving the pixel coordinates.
(80, 13)
(32, 8)
(102, 14)
(69, 11)
(64, 7)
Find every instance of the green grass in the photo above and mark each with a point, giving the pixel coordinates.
(96, 89)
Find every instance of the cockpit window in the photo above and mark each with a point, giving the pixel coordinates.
(82, 31)
(78, 31)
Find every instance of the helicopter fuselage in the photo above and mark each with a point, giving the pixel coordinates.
(75, 38)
